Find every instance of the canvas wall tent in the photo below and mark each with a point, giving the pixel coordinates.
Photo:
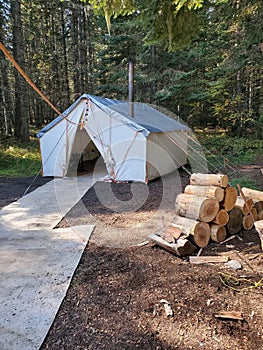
(138, 148)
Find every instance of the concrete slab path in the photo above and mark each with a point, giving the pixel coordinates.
(37, 262)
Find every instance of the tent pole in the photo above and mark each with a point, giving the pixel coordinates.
(131, 84)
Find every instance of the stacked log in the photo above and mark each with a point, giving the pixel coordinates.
(209, 209)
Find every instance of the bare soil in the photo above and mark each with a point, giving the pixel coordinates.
(119, 292)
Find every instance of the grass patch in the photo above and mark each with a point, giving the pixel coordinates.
(19, 160)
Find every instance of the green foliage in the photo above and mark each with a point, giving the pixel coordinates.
(223, 150)
(243, 182)
(19, 160)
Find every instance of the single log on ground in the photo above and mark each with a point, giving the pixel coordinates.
(254, 194)
(248, 220)
(218, 233)
(221, 218)
(198, 231)
(196, 207)
(230, 198)
(234, 224)
(181, 247)
(206, 191)
(209, 180)
(244, 206)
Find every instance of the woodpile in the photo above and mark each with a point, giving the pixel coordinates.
(209, 210)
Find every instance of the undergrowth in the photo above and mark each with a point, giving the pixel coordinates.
(18, 160)
(222, 150)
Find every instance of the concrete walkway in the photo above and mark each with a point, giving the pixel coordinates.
(37, 262)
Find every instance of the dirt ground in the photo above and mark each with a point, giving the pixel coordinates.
(122, 290)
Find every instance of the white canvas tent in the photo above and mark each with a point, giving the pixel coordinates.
(139, 148)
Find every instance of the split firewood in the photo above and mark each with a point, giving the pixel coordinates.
(259, 229)
(248, 220)
(171, 233)
(198, 231)
(244, 205)
(234, 224)
(254, 194)
(206, 191)
(218, 233)
(221, 218)
(209, 180)
(208, 259)
(230, 198)
(196, 207)
(181, 247)
(233, 315)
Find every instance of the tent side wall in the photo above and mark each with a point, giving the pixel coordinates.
(166, 151)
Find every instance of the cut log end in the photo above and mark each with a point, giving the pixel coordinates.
(234, 224)
(222, 217)
(230, 198)
(202, 235)
(218, 233)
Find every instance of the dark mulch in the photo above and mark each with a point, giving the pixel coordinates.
(116, 299)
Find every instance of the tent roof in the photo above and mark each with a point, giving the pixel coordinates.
(146, 118)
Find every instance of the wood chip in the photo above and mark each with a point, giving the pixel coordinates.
(208, 259)
(232, 315)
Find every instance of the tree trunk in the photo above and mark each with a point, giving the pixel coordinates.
(209, 180)
(21, 106)
(206, 191)
(234, 224)
(196, 207)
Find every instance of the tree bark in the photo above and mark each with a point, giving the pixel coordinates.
(254, 194)
(206, 191)
(209, 180)
(196, 207)
(21, 105)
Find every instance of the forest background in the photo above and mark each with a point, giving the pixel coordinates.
(199, 59)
